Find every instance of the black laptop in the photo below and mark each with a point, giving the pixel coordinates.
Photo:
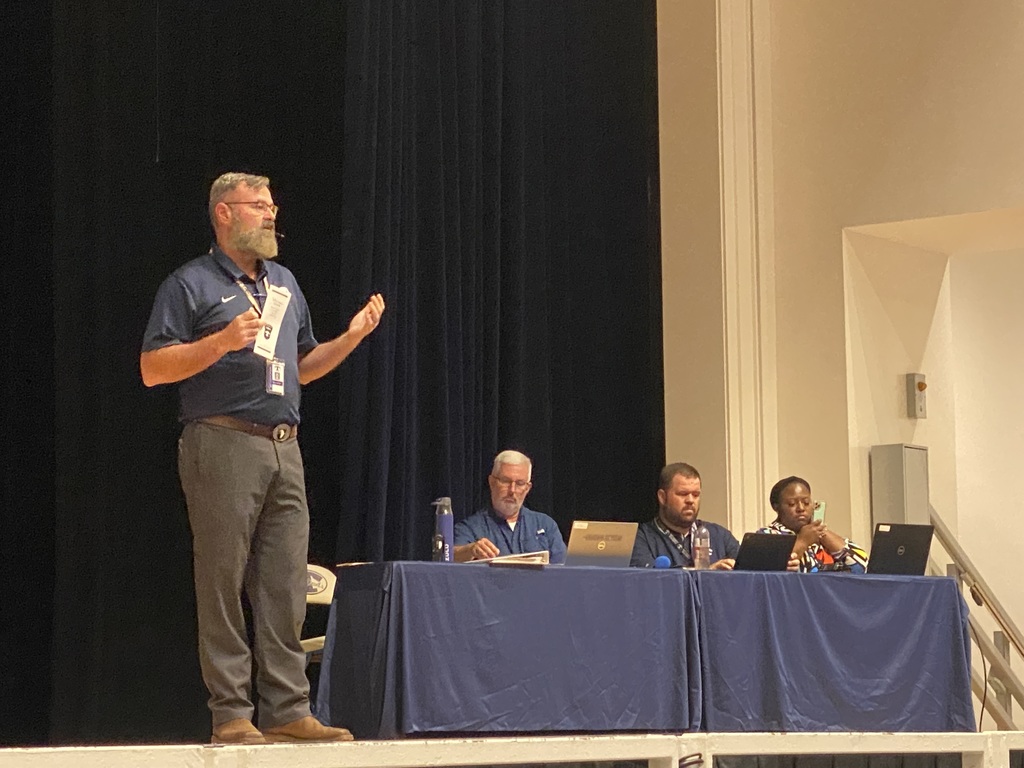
(900, 549)
(764, 552)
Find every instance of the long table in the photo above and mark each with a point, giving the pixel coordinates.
(437, 648)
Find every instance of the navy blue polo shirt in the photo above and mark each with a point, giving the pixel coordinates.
(651, 542)
(203, 296)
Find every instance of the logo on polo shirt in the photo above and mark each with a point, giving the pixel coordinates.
(226, 299)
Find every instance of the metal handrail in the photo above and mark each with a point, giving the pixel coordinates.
(998, 666)
(1002, 718)
(979, 589)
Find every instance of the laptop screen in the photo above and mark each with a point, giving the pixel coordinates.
(900, 549)
(594, 542)
(764, 552)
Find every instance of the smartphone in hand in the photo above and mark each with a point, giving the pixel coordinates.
(819, 510)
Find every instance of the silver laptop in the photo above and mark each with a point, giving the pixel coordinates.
(594, 542)
(900, 549)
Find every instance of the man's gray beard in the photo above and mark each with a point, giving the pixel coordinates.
(260, 242)
(505, 509)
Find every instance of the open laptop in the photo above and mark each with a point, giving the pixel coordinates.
(593, 542)
(900, 549)
(764, 552)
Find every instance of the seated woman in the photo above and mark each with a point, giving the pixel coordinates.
(816, 548)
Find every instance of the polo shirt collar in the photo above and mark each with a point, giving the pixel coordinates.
(232, 269)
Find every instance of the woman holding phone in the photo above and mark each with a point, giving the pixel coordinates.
(816, 547)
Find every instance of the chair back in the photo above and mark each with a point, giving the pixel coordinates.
(320, 583)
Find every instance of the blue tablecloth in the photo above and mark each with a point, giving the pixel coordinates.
(417, 648)
(453, 648)
(834, 652)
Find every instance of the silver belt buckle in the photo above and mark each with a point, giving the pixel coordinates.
(282, 432)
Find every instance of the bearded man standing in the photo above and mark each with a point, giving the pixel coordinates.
(233, 327)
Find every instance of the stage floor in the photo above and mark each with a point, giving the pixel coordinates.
(977, 750)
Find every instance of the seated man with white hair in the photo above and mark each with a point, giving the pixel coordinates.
(505, 526)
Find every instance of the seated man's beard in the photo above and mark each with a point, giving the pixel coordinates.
(260, 242)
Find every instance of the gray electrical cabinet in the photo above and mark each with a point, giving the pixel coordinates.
(899, 484)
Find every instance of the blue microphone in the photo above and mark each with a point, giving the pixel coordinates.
(662, 561)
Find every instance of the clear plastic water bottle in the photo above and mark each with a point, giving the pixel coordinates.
(444, 530)
(701, 548)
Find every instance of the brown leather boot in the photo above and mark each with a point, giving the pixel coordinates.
(306, 729)
(238, 731)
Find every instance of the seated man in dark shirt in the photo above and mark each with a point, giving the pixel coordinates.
(505, 526)
(671, 532)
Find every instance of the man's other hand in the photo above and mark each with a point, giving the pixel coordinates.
(367, 318)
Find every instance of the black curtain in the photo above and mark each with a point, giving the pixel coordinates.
(27, 539)
(491, 170)
(501, 177)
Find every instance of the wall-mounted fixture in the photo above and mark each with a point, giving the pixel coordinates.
(917, 406)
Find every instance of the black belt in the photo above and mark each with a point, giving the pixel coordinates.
(279, 434)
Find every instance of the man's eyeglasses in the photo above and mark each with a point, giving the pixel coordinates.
(517, 484)
(259, 205)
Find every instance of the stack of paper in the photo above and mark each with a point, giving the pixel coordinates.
(526, 558)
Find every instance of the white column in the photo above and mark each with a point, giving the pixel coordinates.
(744, 67)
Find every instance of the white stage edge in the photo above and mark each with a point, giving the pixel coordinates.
(979, 750)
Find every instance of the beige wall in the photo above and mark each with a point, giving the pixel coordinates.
(884, 111)
(881, 111)
(988, 329)
(898, 322)
(691, 245)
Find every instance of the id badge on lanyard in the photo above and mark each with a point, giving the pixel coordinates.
(272, 314)
(275, 376)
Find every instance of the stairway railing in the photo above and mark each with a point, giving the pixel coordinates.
(1002, 682)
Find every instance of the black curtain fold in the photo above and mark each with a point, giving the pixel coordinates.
(490, 167)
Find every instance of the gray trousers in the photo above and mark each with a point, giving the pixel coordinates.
(247, 509)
